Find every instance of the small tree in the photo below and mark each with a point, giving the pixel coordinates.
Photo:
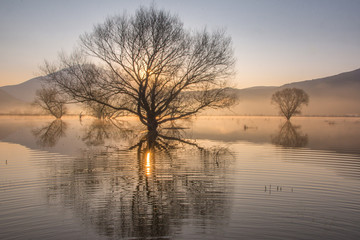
(290, 101)
(51, 101)
(148, 65)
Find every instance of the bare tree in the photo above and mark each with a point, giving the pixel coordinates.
(148, 65)
(290, 101)
(51, 101)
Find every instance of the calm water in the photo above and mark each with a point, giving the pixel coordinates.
(216, 178)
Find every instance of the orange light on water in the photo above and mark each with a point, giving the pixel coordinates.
(148, 163)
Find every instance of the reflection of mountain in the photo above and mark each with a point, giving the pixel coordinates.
(334, 134)
(290, 136)
(20, 130)
(335, 95)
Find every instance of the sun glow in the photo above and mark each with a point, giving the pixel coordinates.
(145, 73)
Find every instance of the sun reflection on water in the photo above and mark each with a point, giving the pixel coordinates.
(148, 163)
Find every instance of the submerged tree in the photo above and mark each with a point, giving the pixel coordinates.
(290, 101)
(51, 101)
(148, 65)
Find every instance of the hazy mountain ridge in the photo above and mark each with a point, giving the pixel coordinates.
(17, 99)
(343, 84)
(334, 96)
(10, 104)
(24, 91)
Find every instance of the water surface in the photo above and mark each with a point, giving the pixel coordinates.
(215, 178)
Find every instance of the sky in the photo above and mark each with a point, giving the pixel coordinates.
(275, 41)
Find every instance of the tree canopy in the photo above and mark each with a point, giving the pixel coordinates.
(290, 101)
(148, 65)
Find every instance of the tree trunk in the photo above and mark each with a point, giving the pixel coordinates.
(152, 123)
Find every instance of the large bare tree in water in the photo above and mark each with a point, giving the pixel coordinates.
(148, 65)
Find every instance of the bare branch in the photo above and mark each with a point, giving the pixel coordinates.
(148, 65)
(290, 101)
(50, 100)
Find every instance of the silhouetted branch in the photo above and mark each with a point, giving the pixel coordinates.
(148, 65)
(290, 101)
(51, 101)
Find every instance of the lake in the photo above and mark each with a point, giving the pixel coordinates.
(205, 178)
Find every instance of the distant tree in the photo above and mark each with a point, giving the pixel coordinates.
(51, 101)
(290, 101)
(148, 65)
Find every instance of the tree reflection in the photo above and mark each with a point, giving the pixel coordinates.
(49, 135)
(290, 136)
(147, 190)
(101, 130)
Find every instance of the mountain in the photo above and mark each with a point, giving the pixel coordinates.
(335, 95)
(10, 104)
(331, 96)
(24, 91)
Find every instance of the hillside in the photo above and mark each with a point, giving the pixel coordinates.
(10, 104)
(334, 95)
(331, 96)
(24, 91)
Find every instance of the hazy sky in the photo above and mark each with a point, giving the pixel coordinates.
(275, 41)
